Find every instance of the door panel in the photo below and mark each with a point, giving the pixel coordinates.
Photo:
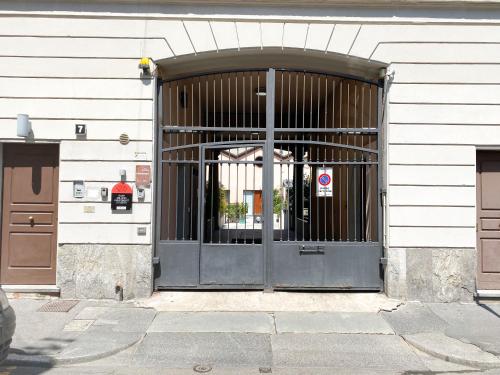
(232, 265)
(325, 265)
(257, 202)
(29, 219)
(488, 220)
(232, 252)
(490, 261)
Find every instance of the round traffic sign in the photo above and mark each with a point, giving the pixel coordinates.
(324, 179)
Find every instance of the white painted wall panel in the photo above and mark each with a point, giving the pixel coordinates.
(445, 94)
(113, 49)
(319, 36)
(103, 233)
(432, 175)
(65, 129)
(84, 47)
(66, 191)
(342, 38)
(430, 155)
(370, 36)
(272, 34)
(445, 134)
(445, 114)
(438, 53)
(225, 34)
(96, 170)
(72, 26)
(433, 216)
(177, 37)
(432, 237)
(294, 35)
(76, 213)
(111, 109)
(14, 87)
(106, 150)
(432, 196)
(446, 73)
(201, 35)
(249, 34)
(68, 67)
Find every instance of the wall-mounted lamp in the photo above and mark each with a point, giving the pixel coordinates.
(382, 73)
(23, 125)
(144, 65)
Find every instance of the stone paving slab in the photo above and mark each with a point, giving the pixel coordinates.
(92, 312)
(215, 349)
(348, 351)
(259, 301)
(95, 370)
(127, 319)
(95, 344)
(213, 322)
(321, 322)
(471, 323)
(414, 317)
(449, 349)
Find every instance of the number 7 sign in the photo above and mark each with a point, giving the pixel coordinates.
(80, 129)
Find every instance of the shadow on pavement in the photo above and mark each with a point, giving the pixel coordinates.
(489, 309)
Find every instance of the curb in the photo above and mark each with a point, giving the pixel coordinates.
(53, 360)
(418, 342)
(95, 357)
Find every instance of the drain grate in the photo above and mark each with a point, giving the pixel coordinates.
(58, 306)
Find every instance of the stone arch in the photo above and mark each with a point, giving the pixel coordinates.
(217, 60)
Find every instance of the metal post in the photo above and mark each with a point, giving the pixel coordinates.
(268, 182)
(158, 165)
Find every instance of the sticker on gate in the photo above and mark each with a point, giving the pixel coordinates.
(324, 185)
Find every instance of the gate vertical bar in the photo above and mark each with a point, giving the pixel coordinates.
(268, 183)
(381, 179)
(158, 144)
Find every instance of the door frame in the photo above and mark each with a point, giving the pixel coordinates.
(57, 201)
(201, 214)
(267, 183)
(479, 160)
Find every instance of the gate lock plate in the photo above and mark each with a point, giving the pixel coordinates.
(311, 250)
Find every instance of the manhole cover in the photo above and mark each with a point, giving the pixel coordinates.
(265, 370)
(58, 306)
(202, 368)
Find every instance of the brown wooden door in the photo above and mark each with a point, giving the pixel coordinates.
(257, 202)
(29, 219)
(488, 220)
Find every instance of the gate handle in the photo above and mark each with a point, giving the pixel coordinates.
(311, 250)
(32, 220)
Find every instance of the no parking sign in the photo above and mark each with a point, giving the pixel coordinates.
(324, 182)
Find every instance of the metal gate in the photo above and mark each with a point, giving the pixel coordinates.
(268, 179)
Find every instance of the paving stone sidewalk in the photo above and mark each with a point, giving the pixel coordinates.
(89, 331)
(415, 337)
(467, 334)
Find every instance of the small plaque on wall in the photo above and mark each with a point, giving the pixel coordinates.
(121, 197)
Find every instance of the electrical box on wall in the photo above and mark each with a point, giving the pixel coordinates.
(104, 193)
(78, 189)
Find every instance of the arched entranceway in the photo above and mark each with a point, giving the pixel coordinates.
(269, 178)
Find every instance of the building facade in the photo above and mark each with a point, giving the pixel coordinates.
(370, 129)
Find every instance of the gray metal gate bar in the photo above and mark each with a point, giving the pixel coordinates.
(268, 177)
